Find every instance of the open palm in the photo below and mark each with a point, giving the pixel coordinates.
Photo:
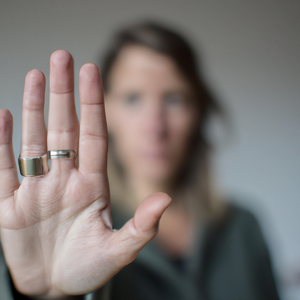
(56, 229)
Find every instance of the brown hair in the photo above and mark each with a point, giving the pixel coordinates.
(194, 183)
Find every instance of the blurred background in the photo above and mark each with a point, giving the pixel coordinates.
(250, 57)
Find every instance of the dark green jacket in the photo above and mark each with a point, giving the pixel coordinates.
(230, 262)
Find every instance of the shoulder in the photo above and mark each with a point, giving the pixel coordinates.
(237, 223)
(235, 254)
(236, 243)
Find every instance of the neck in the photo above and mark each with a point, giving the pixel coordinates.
(140, 188)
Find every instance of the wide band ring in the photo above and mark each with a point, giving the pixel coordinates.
(68, 154)
(37, 166)
(34, 166)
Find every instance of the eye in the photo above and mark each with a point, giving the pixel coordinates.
(132, 99)
(174, 100)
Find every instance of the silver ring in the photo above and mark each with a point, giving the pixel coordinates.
(36, 166)
(33, 166)
(68, 154)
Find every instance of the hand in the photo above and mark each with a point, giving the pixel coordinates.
(56, 229)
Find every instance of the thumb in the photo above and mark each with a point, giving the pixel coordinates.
(142, 228)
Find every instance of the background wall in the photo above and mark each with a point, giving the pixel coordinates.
(250, 53)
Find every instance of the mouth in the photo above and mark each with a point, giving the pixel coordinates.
(154, 154)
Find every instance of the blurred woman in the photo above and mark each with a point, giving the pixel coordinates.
(158, 106)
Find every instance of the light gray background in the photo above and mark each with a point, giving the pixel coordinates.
(250, 52)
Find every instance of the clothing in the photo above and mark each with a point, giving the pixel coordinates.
(230, 262)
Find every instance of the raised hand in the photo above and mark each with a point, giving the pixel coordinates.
(56, 229)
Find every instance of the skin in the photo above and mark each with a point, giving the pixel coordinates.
(152, 116)
(56, 229)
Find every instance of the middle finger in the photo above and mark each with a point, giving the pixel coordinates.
(63, 128)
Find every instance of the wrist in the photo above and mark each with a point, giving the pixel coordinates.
(50, 296)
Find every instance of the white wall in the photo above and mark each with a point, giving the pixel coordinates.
(251, 57)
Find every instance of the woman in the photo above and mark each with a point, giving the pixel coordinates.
(157, 107)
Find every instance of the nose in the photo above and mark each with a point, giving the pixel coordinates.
(155, 120)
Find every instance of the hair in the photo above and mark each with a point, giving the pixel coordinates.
(194, 183)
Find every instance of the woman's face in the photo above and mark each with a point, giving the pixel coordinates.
(151, 114)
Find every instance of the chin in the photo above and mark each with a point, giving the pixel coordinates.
(157, 174)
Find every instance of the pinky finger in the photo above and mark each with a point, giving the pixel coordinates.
(8, 172)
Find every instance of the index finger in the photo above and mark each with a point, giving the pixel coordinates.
(93, 129)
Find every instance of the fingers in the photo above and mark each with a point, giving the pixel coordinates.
(34, 136)
(138, 231)
(93, 131)
(62, 123)
(8, 172)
